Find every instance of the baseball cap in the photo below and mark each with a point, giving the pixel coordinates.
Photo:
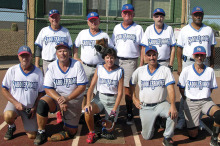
(199, 50)
(24, 50)
(159, 11)
(197, 9)
(54, 12)
(150, 48)
(92, 15)
(127, 7)
(62, 44)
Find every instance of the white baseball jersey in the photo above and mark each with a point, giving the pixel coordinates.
(189, 38)
(65, 82)
(48, 38)
(87, 42)
(152, 86)
(127, 41)
(108, 81)
(24, 87)
(163, 40)
(197, 86)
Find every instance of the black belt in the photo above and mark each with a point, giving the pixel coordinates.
(90, 65)
(162, 60)
(108, 94)
(151, 104)
(187, 58)
(49, 60)
(196, 99)
(122, 58)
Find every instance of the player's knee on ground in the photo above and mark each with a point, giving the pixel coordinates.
(193, 133)
(31, 135)
(9, 117)
(217, 117)
(147, 135)
(42, 108)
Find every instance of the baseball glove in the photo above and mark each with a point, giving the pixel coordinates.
(101, 45)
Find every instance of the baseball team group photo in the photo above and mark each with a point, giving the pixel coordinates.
(133, 86)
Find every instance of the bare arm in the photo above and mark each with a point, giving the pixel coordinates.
(10, 98)
(172, 55)
(75, 54)
(171, 94)
(182, 90)
(142, 56)
(136, 101)
(179, 59)
(120, 93)
(212, 57)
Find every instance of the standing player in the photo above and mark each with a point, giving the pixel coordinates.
(64, 83)
(48, 38)
(192, 35)
(127, 39)
(22, 86)
(154, 81)
(87, 39)
(161, 36)
(109, 79)
(196, 83)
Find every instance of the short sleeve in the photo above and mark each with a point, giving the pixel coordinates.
(134, 77)
(213, 81)
(6, 83)
(48, 79)
(169, 78)
(39, 40)
(81, 75)
(182, 79)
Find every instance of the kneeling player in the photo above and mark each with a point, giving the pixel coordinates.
(109, 78)
(196, 83)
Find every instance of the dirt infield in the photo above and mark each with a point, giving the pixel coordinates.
(130, 136)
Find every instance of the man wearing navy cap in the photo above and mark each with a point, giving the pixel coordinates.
(48, 38)
(127, 39)
(154, 81)
(190, 36)
(196, 83)
(22, 86)
(89, 57)
(64, 83)
(161, 35)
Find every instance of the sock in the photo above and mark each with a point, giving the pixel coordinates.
(41, 131)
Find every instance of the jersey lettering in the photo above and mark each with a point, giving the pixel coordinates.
(55, 39)
(89, 43)
(159, 41)
(126, 37)
(152, 84)
(199, 38)
(198, 84)
(25, 84)
(65, 82)
(109, 82)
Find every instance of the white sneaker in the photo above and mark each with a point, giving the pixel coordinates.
(180, 124)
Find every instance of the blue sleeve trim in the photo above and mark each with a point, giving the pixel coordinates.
(71, 126)
(5, 87)
(173, 45)
(49, 87)
(82, 83)
(132, 84)
(214, 87)
(38, 45)
(180, 86)
(172, 82)
(180, 46)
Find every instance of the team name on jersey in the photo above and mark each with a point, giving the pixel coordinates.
(25, 84)
(126, 37)
(109, 82)
(152, 84)
(65, 82)
(198, 84)
(199, 38)
(55, 39)
(159, 41)
(89, 43)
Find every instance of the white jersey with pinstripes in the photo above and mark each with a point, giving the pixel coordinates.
(24, 87)
(108, 81)
(152, 86)
(197, 85)
(48, 38)
(87, 41)
(189, 38)
(163, 40)
(127, 40)
(65, 82)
